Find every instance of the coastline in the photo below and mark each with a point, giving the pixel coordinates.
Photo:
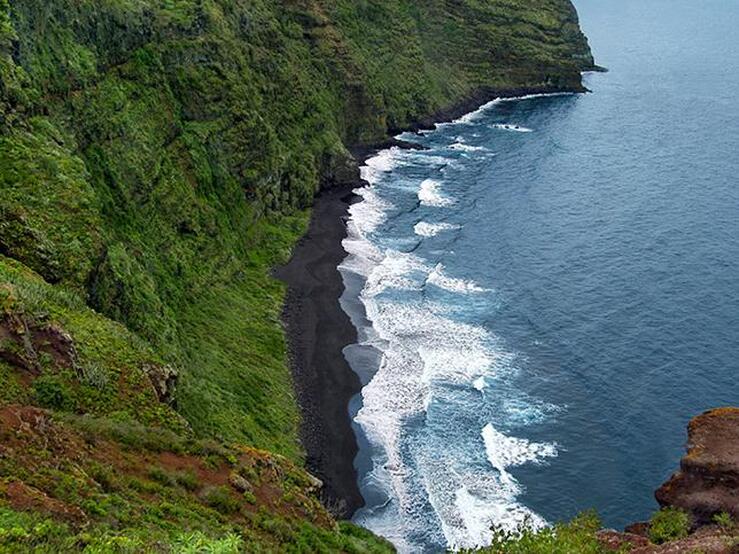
(318, 329)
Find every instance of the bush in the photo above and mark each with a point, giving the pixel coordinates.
(221, 499)
(51, 393)
(187, 480)
(724, 521)
(576, 537)
(669, 524)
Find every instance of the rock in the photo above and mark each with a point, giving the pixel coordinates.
(315, 484)
(615, 541)
(164, 380)
(339, 169)
(640, 528)
(23, 339)
(239, 483)
(708, 480)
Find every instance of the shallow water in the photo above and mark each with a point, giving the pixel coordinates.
(550, 292)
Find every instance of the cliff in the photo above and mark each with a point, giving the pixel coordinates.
(157, 158)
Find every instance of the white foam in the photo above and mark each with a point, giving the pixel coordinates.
(477, 114)
(504, 451)
(511, 127)
(452, 284)
(397, 270)
(429, 194)
(480, 384)
(371, 212)
(424, 229)
(532, 96)
(466, 147)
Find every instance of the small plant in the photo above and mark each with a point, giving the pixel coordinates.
(51, 393)
(221, 499)
(95, 375)
(162, 477)
(669, 524)
(725, 521)
(195, 543)
(188, 480)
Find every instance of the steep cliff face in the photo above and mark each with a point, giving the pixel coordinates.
(157, 158)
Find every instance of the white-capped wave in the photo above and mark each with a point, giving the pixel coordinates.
(424, 229)
(429, 194)
(504, 452)
(460, 146)
(383, 162)
(439, 278)
(512, 127)
(371, 212)
(477, 114)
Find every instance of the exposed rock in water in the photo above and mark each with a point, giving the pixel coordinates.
(707, 483)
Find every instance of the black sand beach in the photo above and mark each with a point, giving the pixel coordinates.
(317, 331)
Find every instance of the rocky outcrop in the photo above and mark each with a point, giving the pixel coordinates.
(706, 486)
(707, 483)
(25, 342)
(707, 540)
(163, 378)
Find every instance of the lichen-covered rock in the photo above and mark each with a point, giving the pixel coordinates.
(164, 380)
(707, 483)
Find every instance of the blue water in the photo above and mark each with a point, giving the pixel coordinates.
(543, 308)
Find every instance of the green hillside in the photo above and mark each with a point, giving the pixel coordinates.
(157, 158)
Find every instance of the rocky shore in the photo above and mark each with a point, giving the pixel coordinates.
(705, 490)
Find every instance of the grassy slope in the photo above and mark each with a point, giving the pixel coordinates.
(158, 157)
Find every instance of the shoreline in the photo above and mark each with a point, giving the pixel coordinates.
(318, 329)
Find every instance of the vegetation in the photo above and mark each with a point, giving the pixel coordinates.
(669, 524)
(157, 159)
(577, 536)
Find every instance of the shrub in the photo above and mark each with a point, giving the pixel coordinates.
(578, 536)
(51, 393)
(221, 499)
(195, 543)
(187, 480)
(724, 521)
(669, 524)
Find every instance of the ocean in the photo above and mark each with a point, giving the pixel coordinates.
(549, 291)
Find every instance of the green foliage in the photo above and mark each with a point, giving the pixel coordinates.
(221, 499)
(198, 543)
(669, 524)
(52, 393)
(575, 537)
(725, 521)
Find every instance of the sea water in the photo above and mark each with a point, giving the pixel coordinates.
(549, 290)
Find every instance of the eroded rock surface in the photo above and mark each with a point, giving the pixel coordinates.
(707, 483)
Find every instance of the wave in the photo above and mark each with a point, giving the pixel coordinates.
(512, 127)
(504, 452)
(383, 162)
(459, 146)
(429, 195)
(423, 229)
(439, 278)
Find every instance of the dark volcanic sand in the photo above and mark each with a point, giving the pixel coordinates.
(317, 331)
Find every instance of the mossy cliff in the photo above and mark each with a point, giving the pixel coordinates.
(157, 158)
